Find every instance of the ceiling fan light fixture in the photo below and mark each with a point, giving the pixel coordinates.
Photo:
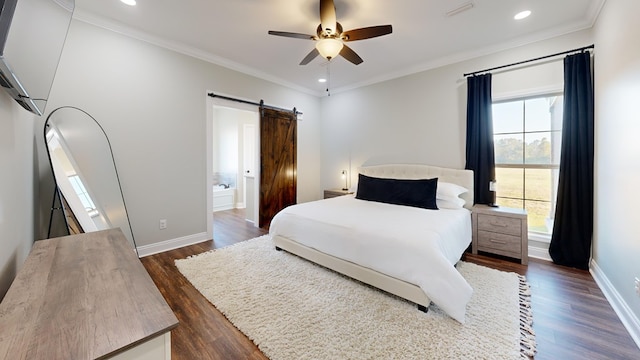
(329, 48)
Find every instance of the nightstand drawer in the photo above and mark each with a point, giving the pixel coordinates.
(335, 192)
(500, 224)
(507, 245)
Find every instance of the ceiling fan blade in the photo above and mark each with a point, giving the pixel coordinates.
(350, 55)
(310, 56)
(328, 16)
(292, 35)
(366, 33)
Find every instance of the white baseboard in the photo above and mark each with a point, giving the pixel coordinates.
(539, 253)
(628, 318)
(146, 250)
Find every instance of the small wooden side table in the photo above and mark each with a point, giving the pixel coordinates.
(500, 230)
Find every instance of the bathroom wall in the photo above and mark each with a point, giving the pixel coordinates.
(229, 147)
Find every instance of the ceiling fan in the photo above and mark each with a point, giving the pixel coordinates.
(330, 37)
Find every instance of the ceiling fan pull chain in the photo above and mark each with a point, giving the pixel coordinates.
(328, 77)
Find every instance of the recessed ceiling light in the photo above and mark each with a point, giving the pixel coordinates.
(522, 14)
(129, 2)
(322, 80)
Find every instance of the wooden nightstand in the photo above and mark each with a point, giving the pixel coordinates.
(336, 192)
(500, 230)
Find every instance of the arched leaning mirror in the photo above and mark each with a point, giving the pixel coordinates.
(87, 185)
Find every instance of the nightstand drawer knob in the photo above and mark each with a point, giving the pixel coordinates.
(497, 241)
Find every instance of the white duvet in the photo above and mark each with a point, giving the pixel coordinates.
(415, 245)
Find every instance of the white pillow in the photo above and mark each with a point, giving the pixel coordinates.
(456, 203)
(449, 191)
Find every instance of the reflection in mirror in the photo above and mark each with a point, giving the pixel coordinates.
(87, 184)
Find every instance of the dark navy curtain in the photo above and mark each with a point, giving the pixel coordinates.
(573, 224)
(480, 152)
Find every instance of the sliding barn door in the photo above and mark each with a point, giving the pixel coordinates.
(278, 169)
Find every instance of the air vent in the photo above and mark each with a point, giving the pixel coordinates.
(459, 9)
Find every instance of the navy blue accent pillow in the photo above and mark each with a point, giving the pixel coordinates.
(417, 193)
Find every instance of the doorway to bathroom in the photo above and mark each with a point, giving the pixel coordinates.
(234, 155)
(251, 159)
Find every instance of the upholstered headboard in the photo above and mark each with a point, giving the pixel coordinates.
(419, 171)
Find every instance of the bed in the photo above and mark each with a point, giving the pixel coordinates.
(407, 251)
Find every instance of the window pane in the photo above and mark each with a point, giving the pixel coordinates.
(556, 143)
(77, 186)
(82, 193)
(508, 148)
(538, 148)
(556, 109)
(510, 184)
(510, 203)
(86, 202)
(538, 184)
(538, 114)
(507, 117)
(539, 216)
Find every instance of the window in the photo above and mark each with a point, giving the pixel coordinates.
(83, 195)
(527, 137)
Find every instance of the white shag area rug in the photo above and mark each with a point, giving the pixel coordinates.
(293, 309)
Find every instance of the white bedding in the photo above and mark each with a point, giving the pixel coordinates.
(415, 245)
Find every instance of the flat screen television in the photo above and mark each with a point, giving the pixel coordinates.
(32, 34)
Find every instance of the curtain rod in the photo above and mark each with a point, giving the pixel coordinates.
(530, 60)
(261, 103)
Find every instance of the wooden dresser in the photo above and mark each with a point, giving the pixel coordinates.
(85, 297)
(500, 230)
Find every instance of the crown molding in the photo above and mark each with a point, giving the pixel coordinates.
(128, 31)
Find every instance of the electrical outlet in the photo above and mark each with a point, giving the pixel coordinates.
(638, 286)
(163, 224)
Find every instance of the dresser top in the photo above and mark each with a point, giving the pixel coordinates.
(81, 297)
(499, 210)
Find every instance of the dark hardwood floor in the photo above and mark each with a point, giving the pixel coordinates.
(572, 318)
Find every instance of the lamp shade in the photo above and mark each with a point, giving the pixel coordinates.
(329, 48)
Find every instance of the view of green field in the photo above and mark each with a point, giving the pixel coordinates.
(532, 194)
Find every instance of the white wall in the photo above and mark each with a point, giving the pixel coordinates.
(422, 117)
(16, 188)
(152, 103)
(226, 133)
(616, 247)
